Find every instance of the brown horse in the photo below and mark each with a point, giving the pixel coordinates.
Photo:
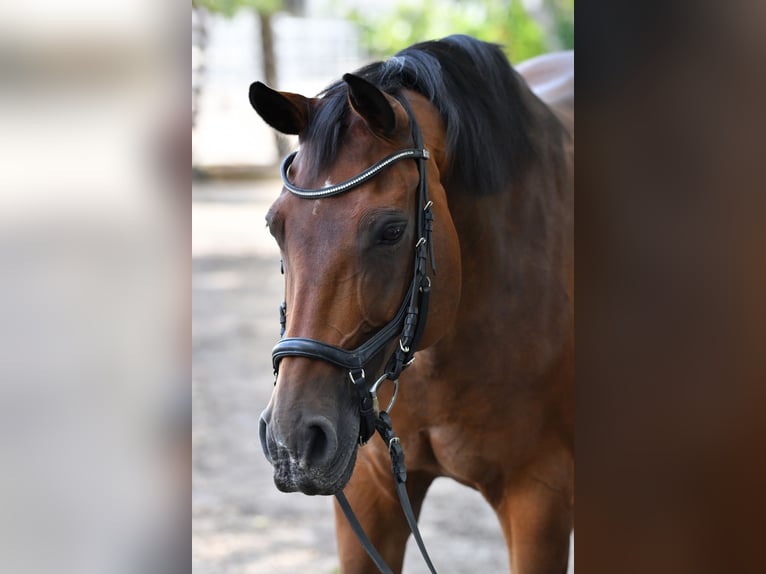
(488, 400)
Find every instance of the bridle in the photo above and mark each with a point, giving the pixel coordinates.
(408, 325)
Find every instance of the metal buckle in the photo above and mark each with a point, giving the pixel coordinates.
(356, 381)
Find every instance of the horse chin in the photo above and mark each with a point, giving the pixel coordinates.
(293, 476)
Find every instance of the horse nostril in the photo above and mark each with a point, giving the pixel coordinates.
(321, 442)
(263, 428)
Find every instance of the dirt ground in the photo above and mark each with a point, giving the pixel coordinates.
(241, 523)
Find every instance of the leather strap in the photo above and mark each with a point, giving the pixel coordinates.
(368, 407)
(399, 470)
(354, 359)
(385, 430)
(360, 534)
(357, 180)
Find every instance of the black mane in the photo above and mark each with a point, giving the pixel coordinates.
(477, 94)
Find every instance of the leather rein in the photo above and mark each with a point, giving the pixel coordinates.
(407, 325)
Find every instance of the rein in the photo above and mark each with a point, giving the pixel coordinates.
(408, 325)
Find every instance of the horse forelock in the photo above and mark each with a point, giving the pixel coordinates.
(477, 94)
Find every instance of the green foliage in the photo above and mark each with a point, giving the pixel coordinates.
(505, 22)
(563, 20)
(230, 7)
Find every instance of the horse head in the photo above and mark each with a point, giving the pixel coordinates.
(348, 261)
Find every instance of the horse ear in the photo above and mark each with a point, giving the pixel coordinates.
(372, 104)
(285, 112)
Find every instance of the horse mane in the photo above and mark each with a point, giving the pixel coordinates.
(477, 94)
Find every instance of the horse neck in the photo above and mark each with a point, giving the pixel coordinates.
(523, 231)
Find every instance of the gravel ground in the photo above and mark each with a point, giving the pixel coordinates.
(241, 522)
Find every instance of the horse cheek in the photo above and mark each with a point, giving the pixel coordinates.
(446, 282)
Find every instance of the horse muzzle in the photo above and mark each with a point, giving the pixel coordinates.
(308, 453)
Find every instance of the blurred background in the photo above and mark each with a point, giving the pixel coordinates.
(242, 523)
(94, 299)
(303, 45)
(95, 309)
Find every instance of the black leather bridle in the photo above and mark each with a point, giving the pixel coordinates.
(408, 325)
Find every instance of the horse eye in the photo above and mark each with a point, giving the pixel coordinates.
(392, 233)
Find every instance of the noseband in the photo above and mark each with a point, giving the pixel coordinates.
(408, 323)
